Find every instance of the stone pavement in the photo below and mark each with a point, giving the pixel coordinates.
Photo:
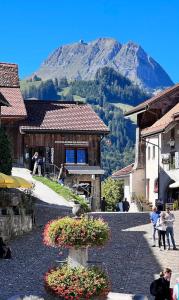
(128, 258)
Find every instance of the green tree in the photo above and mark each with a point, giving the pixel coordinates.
(5, 153)
(113, 191)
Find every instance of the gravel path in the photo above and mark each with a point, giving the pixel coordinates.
(130, 260)
(31, 259)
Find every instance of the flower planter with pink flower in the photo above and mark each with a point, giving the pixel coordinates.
(75, 280)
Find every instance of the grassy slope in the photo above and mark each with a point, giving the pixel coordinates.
(125, 108)
(24, 85)
(63, 191)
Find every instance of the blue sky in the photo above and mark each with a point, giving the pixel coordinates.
(31, 30)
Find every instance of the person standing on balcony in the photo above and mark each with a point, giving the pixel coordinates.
(155, 215)
(170, 218)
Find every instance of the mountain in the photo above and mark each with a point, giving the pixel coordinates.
(81, 61)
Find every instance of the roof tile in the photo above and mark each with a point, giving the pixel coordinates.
(123, 172)
(163, 122)
(14, 97)
(56, 115)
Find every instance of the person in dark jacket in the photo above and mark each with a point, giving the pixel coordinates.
(160, 288)
(5, 251)
(125, 205)
(103, 204)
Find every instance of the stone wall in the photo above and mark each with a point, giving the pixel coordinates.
(13, 225)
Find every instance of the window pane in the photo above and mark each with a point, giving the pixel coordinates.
(70, 156)
(81, 156)
(153, 152)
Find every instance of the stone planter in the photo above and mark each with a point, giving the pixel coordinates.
(78, 257)
(76, 208)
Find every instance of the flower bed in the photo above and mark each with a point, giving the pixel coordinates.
(68, 232)
(76, 283)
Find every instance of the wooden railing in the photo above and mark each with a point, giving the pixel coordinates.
(51, 171)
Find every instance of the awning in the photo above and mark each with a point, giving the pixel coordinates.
(174, 185)
(14, 182)
(85, 170)
(5, 179)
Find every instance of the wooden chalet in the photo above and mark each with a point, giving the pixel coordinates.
(62, 132)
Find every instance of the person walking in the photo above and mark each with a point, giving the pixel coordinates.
(125, 205)
(161, 227)
(155, 215)
(170, 218)
(160, 288)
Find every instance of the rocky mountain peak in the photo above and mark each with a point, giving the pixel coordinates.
(81, 60)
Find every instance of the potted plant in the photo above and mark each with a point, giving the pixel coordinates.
(76, 235)
(75, 280)
(77, 283)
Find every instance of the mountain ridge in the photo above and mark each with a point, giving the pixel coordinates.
(81, 60)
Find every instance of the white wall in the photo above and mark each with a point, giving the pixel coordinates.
(152, 166)
(127, 188)
(138, 182)
(168, 174)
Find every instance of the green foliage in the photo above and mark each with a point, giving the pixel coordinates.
(76, 283)
(64, 192)
(108, 86)
(5, 153)
(118, 147)
(113, 192)
(63, 83)
(46, 90)
(76, 233)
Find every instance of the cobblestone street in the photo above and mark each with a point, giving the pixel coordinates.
(129, 258)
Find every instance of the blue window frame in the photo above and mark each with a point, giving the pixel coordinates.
(76, 156)
(81, 156)
(70, 156)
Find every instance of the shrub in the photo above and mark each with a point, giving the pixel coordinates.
(5, 153)
(76, 283)
(69, 232)
(113, 191)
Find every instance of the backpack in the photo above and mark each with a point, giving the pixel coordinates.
(154, 287)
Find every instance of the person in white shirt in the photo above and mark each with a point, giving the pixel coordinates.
(170, 218)
(161, 227)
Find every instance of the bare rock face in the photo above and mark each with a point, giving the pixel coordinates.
(80, 61)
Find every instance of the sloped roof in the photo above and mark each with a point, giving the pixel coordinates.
(10, 90)
(123, 172)
(144, 105)
(59, 116)
(163, 122)
(9, 75)
(14, 97)
(3, 101)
